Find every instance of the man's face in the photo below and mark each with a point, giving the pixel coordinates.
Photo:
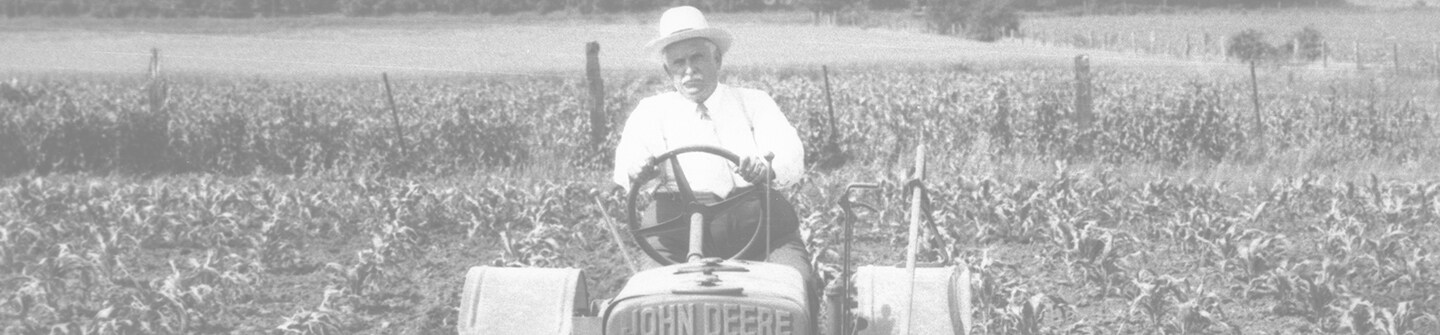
(694, 67)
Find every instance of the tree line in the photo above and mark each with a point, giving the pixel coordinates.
(1130, 6)
(281, 8)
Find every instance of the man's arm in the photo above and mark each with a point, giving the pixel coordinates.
(775, 134)
(641, 132)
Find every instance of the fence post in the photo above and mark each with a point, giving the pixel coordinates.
(1395, 53)
(1187, 45)
(1134, 43)
(1255, 97)
(1325, 54)
(154, 63)
(156, 89)
(1151, 48)
(395, 116)
(599, 127)
(1220, 48)
(1435, 51)
(1205, 45)
(1083, 105)
(1359, 61)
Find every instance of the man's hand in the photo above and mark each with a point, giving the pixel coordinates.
(645, 171)
(755, 169)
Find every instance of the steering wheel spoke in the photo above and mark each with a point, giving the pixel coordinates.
(688, 201)
(672, 225)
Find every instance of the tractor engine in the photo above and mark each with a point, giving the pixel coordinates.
(712, 297)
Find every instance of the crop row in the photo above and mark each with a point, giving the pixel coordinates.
(238, 127)
(344, 255)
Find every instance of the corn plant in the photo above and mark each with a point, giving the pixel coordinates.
(1156, 296)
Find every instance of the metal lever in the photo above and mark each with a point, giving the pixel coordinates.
(842, 321)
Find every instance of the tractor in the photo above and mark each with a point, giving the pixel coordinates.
(719, 294)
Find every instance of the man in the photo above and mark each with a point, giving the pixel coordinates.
(702, 111)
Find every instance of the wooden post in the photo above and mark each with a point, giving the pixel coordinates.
(1255, 97)
(1083, 101)
(1220, 49)
(1187, 45)
(1205, 45)
(1435, 52)
(156, 89)
(832, 136)
(599, 125)
(154, 63)
(1395, 53)
(1359, 61)
(1325, 54)
(1151, 47)
(394, 115)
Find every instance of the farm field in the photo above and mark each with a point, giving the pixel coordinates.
(443, 46)
(375, 255)
(448, 47)
(244, 195)
(1375, 33)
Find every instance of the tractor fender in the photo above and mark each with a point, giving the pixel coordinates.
(502, 301)
(941, 303)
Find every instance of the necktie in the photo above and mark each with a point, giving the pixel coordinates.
(721, 185)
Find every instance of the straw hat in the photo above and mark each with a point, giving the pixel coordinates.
(683, 23)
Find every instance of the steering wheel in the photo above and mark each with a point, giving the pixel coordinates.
(689, 204)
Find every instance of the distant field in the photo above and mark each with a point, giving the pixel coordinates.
(530, 44)
(334, 46)
(1375, 31)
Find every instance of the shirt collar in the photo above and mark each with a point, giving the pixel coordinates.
(714, 99)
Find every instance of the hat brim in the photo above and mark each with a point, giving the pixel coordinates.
(720, 37)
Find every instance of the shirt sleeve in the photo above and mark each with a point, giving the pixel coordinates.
(641, 135)
(774, 130)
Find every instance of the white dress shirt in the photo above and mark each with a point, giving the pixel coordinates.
(669, 120)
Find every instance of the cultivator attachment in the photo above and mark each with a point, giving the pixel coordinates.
(905, 300)
(500, 301)
(942, 305)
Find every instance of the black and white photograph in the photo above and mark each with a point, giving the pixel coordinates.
(709, 167)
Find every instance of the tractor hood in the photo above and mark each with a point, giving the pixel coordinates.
(711, 297)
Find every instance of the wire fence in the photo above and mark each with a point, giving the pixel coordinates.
(1400, 56)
